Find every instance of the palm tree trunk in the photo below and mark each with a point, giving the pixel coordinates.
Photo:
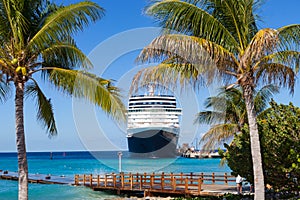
(255, 144)
(21, 147)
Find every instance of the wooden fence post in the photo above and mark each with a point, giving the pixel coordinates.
(122, 179)
(186, 188)
(131, 180)
(114, 180)
(145, 177)
(137, 178)
(141, 181)
(172, 179)
(174, 183)
(83, 179)
(213, 178)
(162, 180)
(191, 177)
(151, 180)
(76, 179)
(226, 178)
(105, 180)
(181, 178)
(91, 180)
(199, 185)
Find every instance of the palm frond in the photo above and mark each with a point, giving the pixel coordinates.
(263, 97)
(45, 113)
(191, 49)
(18, 24)
(209, 117)
(5, 91)
(4, 22)
(216, 102)
(65, 21)
(189, 19)
(288, 58)
(168, 74)
(264, 114)
(218, 134)
(262, 44)
(65, 55)
(289, 37)
(238, 18)
(230, 103)
(209, 58)
(278, 74)
(228, 107)
(87, 86)
(21, 25)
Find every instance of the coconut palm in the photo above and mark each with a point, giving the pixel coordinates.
(226, 113)
(209, 39)
(37, 38)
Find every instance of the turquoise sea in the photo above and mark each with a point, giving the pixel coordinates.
(71, 163)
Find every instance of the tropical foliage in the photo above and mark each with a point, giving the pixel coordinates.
(37, 38)
(226, 114)
(280, 142)
(211, 39)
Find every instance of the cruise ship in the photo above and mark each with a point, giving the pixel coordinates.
(153, 125)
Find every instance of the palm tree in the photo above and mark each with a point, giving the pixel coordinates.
(226, 113)
(210, 39)
(37, 37)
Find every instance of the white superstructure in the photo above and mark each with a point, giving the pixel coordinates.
(153, 111)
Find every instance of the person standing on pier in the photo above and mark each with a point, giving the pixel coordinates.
(239, 184)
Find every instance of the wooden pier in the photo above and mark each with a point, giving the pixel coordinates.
(162, 184)
(38, 178)
(143, 184)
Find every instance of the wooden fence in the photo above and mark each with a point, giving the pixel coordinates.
(188, 184)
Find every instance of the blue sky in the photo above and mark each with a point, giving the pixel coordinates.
(112, 44)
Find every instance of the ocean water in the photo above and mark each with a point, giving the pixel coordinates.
(71, 163)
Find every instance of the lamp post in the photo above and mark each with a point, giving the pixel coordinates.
(120, 161)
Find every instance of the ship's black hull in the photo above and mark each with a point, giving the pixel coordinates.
(153, 143)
